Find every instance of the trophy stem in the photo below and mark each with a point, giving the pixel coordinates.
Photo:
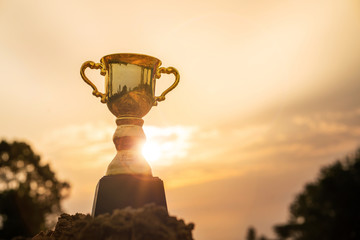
(128, 180)
(128, 138)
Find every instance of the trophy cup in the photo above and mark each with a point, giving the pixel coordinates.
(129, 94)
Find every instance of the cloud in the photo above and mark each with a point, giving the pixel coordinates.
(187, 155)
(329, 122)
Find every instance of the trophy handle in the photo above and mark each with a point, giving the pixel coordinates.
(176, 82)
(93, 65)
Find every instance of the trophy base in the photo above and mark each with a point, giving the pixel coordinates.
(126, 190)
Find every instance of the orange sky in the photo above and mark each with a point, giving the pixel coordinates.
(268, 94)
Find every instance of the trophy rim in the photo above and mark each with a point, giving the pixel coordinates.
(132, 58)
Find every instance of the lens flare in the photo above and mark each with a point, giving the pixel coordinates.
(151, 151)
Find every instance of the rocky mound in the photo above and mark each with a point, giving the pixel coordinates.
(148, 223)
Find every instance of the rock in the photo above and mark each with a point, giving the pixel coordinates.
(148, 223)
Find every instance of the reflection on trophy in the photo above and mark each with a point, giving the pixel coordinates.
(129, 94)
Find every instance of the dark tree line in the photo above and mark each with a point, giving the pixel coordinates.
(30, 193)
(328, 208)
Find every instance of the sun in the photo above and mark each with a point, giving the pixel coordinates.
(151, 151)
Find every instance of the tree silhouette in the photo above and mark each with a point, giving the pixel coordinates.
(30, 193)
(329, 208)
(251, 234)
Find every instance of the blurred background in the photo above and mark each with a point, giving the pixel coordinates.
(268, 94)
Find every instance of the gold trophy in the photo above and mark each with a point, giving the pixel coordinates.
(129, 94)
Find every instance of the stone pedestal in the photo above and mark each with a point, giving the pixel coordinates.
(127, 190)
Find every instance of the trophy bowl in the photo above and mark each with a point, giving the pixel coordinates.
(129, 83)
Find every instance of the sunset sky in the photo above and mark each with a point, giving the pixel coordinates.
(269, 93)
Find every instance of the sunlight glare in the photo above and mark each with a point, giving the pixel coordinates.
(165, 145)
(151, 151)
